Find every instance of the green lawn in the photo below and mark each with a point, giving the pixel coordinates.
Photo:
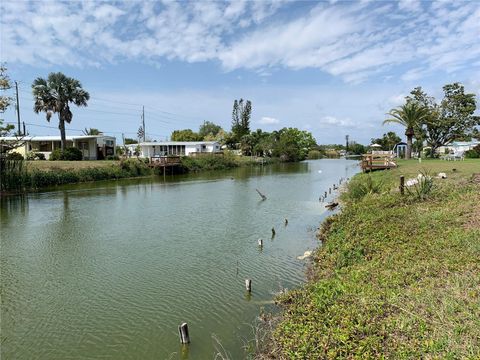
(396, 278)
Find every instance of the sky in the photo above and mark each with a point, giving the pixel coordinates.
(333, 68)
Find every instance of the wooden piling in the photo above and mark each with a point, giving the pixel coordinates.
(286, 221)
(183, 333)
(402, 185)
(273, 232)
(260, 242)
(248, 285)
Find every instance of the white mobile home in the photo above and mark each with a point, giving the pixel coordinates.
(172, 148)
(93, 147)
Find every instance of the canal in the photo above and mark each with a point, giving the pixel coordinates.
(109, 270)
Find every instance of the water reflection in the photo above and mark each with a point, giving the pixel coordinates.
(110, 269)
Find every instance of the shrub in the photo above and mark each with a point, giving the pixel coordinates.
(14, 156)
(69, 154)
(473, 153)
(314, 154)
(72, 154)
(35, 156)
(55, 155)
(112, 157)
(423, 187)
(363, 185)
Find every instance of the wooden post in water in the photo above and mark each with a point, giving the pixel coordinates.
(329, 190)
(402, 185)
(248, 285)
(183, 332)
(260, 242)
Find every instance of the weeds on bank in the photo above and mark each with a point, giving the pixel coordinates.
(396, 276)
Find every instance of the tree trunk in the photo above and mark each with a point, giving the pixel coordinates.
(61, 126)
(408, 154)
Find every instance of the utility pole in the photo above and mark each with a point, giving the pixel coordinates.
(143, 122)
(24, 129)
(18, 110)
(346, 139)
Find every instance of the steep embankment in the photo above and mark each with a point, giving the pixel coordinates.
(397, 276)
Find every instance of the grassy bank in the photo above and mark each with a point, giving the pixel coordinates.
(396, 276)
(32, 175)
(35, 175)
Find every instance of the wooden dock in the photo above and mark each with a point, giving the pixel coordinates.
(372, 162)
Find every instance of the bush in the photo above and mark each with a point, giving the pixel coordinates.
(112, 157)
(315, 154)
(363, 185)
(473, 153)
(14, 156)
(35, 156)
(69, 154)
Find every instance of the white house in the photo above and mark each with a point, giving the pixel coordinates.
(169, 148)
(93, 147)
(458, 147)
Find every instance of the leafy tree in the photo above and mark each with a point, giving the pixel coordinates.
(5, 102)
(410, 116)
(185, 135)
(292, 144)
(128, 141)
(209, 129)
(356, 149)
(241, 114)
(387, 141)
(450, 120)
(54, 95)
(91, 131)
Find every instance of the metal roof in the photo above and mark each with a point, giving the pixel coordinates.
(158, 143)
(53, 138)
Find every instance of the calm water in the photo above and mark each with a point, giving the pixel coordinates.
(109, 270)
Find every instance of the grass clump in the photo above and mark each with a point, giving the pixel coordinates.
(394, 278)
(361, 186)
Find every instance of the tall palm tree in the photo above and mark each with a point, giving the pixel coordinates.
(409, 115)
(54, 95)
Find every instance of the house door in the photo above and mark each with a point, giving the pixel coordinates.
(84, 148)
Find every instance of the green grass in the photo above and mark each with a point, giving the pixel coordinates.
(397, 277)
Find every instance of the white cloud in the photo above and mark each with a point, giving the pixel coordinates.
(268, 121)
(332, 120)
(354, 41)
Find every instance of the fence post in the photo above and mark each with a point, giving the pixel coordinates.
(183, 332)
(248, 285)
(402, 184)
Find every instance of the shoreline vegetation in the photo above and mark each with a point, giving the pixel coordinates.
(396, 276)
(23, 176)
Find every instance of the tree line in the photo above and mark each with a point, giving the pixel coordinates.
(437, 124)
(288, 144)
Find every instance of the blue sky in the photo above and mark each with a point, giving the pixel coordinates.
(333, 68)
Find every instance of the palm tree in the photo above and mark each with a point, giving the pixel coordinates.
(409, 115)
(54, 95)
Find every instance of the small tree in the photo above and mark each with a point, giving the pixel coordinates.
(185, 135)
(209, 129)
(410, 116)
(241, 114)
(91, 131)
(54, 95)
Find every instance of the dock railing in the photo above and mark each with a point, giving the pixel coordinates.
(377, 162)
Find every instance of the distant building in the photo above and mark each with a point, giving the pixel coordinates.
(93, 147)
(173, 148)
(458, 147)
